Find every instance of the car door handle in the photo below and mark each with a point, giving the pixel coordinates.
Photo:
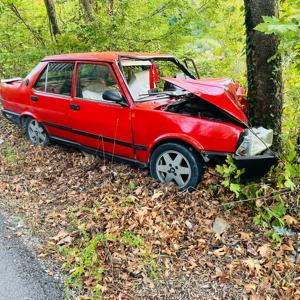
(75, 106)
(34, 98)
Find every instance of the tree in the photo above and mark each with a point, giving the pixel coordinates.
(263, 68)
(54, 29)
(87, 6)
(110, 7)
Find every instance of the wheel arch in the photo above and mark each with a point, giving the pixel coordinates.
(28, 114)
(182, 140)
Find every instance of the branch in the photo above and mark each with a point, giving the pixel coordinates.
(35, 34)
(279, 192)
(156, 12)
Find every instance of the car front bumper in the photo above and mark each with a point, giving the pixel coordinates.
(255, 166)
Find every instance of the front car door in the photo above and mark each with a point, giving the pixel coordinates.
(50, 98)
(98, 123)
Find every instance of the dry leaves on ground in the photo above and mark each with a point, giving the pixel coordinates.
(121, 234)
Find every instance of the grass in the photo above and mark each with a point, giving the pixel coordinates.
(85, 266)
(8, 153)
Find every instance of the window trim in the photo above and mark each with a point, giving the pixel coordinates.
(112, 71)
(39, 77)
(67, 97)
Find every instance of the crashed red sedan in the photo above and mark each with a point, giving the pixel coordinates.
(148, 109)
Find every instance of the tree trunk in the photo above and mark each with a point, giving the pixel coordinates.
(88, 9)
(54, 29)
(263, 69)
(110, 7)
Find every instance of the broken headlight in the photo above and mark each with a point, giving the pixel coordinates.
(255, 141)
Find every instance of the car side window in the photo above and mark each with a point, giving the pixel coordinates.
(56, 79)
(93, 80)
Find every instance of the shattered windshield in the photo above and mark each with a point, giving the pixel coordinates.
(145, 77)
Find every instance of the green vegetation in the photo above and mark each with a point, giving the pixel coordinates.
(84, 261)
(8, 153)
(213, 33)
(272, 198)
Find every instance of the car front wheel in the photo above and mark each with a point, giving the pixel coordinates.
(176, 163)
(36, 132)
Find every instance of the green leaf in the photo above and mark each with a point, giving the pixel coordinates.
(236, 188)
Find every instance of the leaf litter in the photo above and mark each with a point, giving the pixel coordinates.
(118, 234)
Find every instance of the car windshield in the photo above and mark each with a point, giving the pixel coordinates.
(145, 77)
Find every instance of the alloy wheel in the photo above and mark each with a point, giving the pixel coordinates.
(36, 133)
(172, 166)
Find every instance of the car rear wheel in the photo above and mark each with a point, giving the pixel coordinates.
(176, 163)
(36, 132)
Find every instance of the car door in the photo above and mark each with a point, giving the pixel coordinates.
(98, 123)
(50, 98)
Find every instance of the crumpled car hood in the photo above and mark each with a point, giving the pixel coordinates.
(222, 93)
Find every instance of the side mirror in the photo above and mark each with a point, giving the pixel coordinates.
(115, 96)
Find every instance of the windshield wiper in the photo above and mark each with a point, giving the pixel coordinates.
(165, 93)
(152, 95)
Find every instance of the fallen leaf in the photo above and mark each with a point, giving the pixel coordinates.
(156, 195)
(250, 287)
(221, 251)
(259, 202)
(290, 220)
(65, 240)
(253, 264)
(60, 235)
(245, 236)
(188, 224)
(265, 251)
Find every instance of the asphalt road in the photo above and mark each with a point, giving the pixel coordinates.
(21, 274)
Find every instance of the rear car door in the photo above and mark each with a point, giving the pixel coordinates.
(98, 123)
(50, 98)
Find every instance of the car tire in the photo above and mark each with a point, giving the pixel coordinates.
(172, 162)
(36, 133)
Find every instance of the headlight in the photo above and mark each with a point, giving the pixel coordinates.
(255, 141)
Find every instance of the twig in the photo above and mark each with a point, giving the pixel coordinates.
(282, 192)
(156, 12)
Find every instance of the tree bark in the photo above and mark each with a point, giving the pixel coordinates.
(264, 70)
(110, 7)
(54, 29)
(88, 9)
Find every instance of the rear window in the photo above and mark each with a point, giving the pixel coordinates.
(56, 79)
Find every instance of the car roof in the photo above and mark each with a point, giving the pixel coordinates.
(103, 56)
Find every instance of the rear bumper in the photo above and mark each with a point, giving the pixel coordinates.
(255, 166)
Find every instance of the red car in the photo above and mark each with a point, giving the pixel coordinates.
(148, 109)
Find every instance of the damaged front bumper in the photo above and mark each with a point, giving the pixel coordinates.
(255, 166)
